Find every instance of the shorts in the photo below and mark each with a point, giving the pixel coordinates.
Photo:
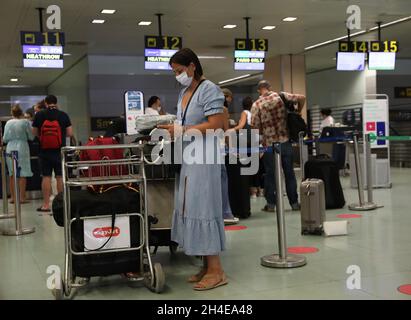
(49, 162)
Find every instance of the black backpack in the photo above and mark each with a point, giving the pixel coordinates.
(295, 123)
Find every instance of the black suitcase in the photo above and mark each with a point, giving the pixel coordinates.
(238, 191)
(84, 203)
(322, 167)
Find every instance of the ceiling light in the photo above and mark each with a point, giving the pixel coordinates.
(14, 79)
(108, 11)
(289, 19)
(269, 27)
(144, 23)
(66, 54)
(230, 26)
(212, 57)
(333, 40)
(233, 79)
(98, 21)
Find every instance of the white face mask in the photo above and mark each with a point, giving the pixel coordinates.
(184, 79)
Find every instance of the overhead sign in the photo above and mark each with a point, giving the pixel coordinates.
(101, 123)
(402, 92)
(249, 60)
(376, 120)
(42, 49)
(164, 42)
(384, 46)
(157, 59)
(42, 38)
(365, 46)
(251, 44)
(134, 107)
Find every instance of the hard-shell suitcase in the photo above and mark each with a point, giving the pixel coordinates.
(312, 206)
(326, 169)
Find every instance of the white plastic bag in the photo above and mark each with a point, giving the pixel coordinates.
(149, 122)
(335, 228)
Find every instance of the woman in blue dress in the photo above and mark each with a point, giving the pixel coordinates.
(198, 225)
(17, 132)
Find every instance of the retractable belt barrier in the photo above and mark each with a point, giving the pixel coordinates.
(19, 230)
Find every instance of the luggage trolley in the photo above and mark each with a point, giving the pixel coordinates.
(129, 170)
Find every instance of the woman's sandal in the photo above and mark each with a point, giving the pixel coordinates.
(198, 276)
(207, 282)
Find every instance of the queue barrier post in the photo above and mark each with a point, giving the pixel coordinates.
(281, 260)
(5, 214)
(362, 205)
(19, 230)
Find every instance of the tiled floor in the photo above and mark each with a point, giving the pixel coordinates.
(379, 243)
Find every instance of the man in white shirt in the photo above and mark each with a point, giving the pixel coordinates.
(328, 120)
(154, 107)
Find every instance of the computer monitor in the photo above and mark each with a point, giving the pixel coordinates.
(350, 61)
(381, 61)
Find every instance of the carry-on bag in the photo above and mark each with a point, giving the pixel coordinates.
(312, 206)
(238, 190)
(324, 168)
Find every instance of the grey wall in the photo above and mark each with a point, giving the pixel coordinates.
(71, 88)
(401, 77)
(106, 92)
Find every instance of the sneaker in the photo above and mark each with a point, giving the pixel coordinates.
(231, 221)
(268, 209)
(295, 206)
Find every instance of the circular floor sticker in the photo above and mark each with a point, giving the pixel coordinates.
(298, 250)
(349, 216)
(406, 289)
(234, 228)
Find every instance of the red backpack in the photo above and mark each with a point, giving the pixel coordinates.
(50, 135)
(103, 154)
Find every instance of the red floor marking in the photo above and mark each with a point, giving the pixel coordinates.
(298, 250)
(349, 216)
(234, 228)
(406, 289)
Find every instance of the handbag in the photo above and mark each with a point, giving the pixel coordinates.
(177, 166)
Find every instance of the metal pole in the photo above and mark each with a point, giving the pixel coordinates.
(281, 260)
(160, 31)
(41, 18)
(17, 205)
(368, 161)
(302, 154)
(362, 206)
(5, 214)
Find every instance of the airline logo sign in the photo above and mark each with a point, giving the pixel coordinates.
(375, 117)
(98, 231)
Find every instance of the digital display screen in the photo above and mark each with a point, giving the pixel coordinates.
(249, 60)
(158, 59)
(43, 56)
(134, 107)
(381, 61)
(350, 61)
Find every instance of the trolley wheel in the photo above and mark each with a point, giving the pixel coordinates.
(173, 248)
(58, 292)
(159, 278)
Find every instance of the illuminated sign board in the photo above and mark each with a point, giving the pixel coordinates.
(249, 60)
(251, 44)
(157, 59)
(42, 49)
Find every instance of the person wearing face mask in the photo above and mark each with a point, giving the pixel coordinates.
(198, 225)
(154, 107)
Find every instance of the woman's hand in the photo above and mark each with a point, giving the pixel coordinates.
(175, 130)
